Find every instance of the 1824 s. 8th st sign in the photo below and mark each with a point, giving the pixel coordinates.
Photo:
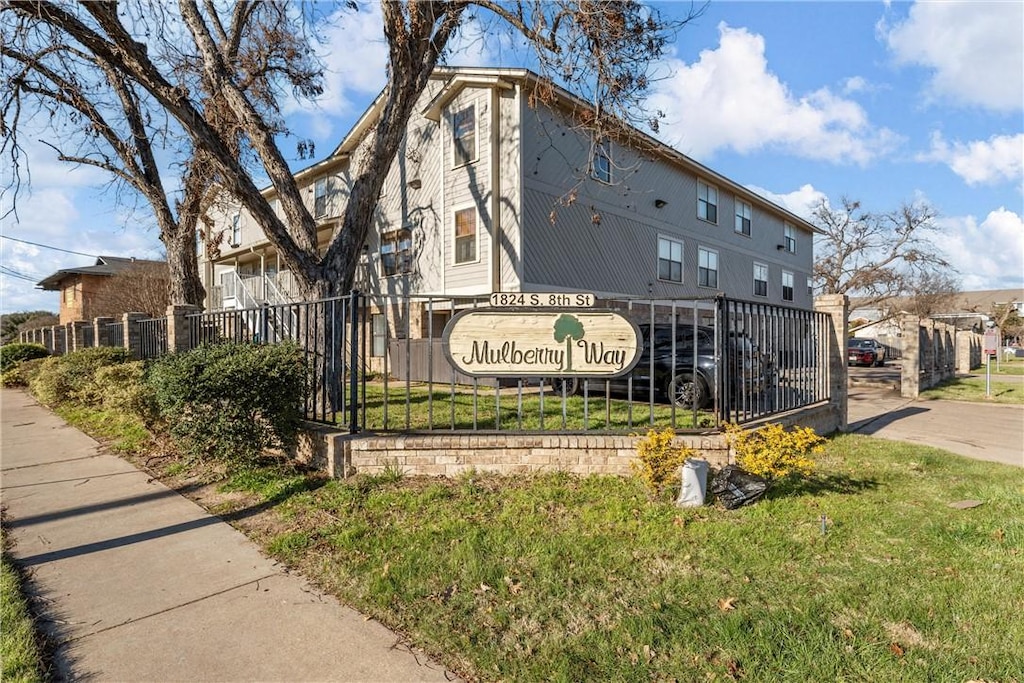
(522, 343)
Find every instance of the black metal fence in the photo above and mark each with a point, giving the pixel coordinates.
(152, 337)
(379, 364)
(327, 332)
(115, 334)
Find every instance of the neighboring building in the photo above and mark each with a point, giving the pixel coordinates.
(99, 290)
(476, 203)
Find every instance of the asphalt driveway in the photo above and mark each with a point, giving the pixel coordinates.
(993, 432)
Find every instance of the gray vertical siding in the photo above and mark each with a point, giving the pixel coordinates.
(618, 254)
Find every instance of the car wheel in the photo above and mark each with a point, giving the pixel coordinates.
(569, 385)
(686, 392)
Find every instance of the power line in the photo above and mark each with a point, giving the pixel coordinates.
(47, 246)
(12, 273)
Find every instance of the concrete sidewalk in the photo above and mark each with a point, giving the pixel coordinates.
(141, 584)
(993, 432)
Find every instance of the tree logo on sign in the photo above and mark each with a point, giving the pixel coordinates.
(568, 328)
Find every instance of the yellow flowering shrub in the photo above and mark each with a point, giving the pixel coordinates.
(774, 453)
(659, 459)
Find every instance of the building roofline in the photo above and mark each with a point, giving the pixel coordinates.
(459, 77)
(105, 266)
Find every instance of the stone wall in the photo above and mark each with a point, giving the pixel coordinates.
(341, 455)
(929, 354)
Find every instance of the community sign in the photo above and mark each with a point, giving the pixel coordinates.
(564, 342)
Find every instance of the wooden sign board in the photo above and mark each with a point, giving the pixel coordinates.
(542, 343)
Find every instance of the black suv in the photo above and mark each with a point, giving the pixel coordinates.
(679, 382)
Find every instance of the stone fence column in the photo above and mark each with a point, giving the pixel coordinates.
(100, 331)
(76, 335)
(48, 340)
(910, 376)
(179, 337)
(837, 306)
(132, 338)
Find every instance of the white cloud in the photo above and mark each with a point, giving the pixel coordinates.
(980, 162)
(988, 255)
(974, 49)
(57, 217)
(730, 99)
(800, 202)
(355, 55)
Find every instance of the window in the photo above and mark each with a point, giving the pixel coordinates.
(236, 229)
(790, 236)
(320, 198)
(69, 294)
(743, 214)
(464, 134)
(707, 267)
(396, 252)
(787, 286)
(465, 236)
(602, 162)
(670, 260)
(275, 205)
(707, 202)
(380, 336)
(760, 279)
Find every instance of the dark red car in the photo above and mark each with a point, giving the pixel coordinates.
(865, 352)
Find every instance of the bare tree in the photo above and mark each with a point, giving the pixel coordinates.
(875, 256)
(139, 288)
(99, 116)
(930, 292)
(600, 48)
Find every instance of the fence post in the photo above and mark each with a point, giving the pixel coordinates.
(910, 375)
(101, 333)
(132, 338)
(76, 335)
(353, 369)
(837, 306)
(179, 337)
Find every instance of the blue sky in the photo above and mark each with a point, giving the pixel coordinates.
(880, 102)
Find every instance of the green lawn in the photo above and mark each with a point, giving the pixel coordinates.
(420, 406)
(19, 650)
(556, 577)
(973, 389)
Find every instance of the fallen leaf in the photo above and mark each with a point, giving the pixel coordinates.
(514, 587)
(734, 669)
(848, 633)
(387, 567)
(999, 535)
(727, 604)
(896, 649)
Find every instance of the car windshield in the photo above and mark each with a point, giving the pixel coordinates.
(860, 343)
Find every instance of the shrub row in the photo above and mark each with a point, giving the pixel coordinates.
(12, 354)
(231, 402)
(224, 402)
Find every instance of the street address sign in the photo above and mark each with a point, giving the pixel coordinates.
(566, 342)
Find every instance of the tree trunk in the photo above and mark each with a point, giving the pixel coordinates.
(184, 284)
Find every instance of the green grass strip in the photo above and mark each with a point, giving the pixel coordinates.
(19, 649)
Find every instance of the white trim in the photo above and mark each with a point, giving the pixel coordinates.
(737, 202)
(603, 149)
(716, 204)
(718, 271)
(766, 281)
(476, 133)
(476, 242)
(792, 285)
(682, 259)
